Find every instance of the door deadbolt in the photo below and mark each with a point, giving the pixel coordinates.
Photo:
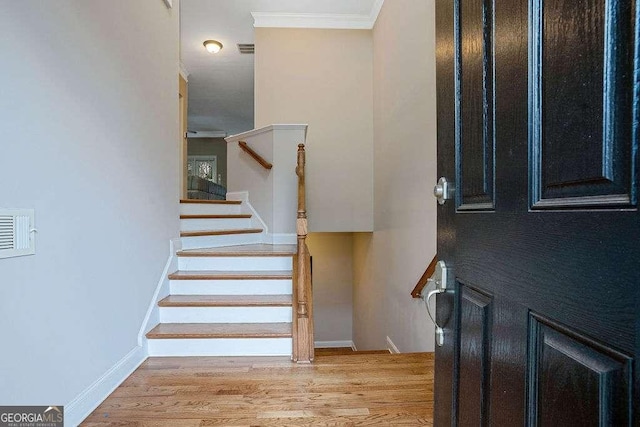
(441, 190)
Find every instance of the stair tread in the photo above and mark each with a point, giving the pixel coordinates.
(231, 275)
(226, 216)
(242, 250)
(211, 202)
(220, 330)
(226, 301)
(220, 232)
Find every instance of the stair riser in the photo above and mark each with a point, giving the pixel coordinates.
(208, 209)
(218, 241)
(231, 287)
(220, 347)
(225, 314)
(235, 263)
(214, 224)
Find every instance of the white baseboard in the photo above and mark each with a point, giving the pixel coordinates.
(392, 347)
(282, 238)
(80, 407)
(333, 344)
(162, 290)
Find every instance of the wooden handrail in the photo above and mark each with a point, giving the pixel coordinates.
(258, 158)
(417, 291)
(302, 329)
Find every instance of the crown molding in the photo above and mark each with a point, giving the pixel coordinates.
(375, 11)
(334, 21)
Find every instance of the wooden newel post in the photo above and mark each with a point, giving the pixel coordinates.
(303, 343)
(302, 202)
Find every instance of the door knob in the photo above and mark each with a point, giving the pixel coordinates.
(441, 190)
(441, 278)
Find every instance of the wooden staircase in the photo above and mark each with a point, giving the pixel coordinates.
(202, 220)
(231, 296)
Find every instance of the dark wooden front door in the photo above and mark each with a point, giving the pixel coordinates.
(538, 108)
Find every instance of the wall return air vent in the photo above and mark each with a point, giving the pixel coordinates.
(247, 48)
(17, 232)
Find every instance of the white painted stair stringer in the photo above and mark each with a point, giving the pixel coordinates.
(163, 289)
(257, 221)
(247, 208)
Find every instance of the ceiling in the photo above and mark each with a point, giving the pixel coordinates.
(221, 85)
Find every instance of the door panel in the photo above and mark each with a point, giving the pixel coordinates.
(564, 363)
(533, 260)
(475, 330)
(537, 129)
(581, 104)
(507, 372)
(474, 139)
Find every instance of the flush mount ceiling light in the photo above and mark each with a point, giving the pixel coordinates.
(212, 46)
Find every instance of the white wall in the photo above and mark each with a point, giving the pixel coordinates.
(273, 193)
(369, 308)
(244, 174)
(90, 139)
(389, 263)
(323, 78)
(332, 285)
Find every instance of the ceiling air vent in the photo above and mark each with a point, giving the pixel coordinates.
(247, 48)
(16, 232)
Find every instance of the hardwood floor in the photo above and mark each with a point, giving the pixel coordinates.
(339, 390)
(339, 351)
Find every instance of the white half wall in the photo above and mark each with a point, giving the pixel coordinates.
(389, 263)
(90, 139)
(244, 174)
(273, 192)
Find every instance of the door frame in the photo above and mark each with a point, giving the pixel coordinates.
(183, 98)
